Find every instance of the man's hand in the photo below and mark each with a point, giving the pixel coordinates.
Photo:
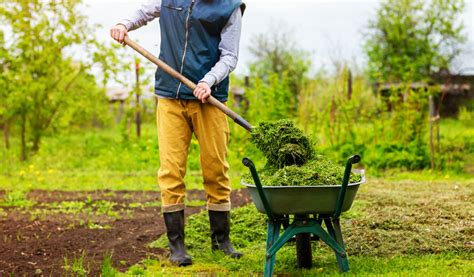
(118, 32)
(202, 91)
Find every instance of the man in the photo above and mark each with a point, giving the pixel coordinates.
(200, 39)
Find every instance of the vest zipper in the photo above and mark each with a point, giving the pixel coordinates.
(185, 45)
(174, 8)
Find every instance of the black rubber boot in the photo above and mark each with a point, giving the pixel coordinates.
(220, 230)
(175, 231)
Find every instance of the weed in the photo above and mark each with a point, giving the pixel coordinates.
(136, 205)
(77, 268)
(92, 225)
(107, 268)
(16, 198)
(104, 207)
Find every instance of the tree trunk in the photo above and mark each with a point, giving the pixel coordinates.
(6, 134)
(36, 142)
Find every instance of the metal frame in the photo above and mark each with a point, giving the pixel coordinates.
(304, 224)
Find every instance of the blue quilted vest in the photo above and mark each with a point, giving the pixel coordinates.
(190, 37)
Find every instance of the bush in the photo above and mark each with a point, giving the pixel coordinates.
(410, 156)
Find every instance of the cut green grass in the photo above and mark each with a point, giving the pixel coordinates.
(393, 228)
(446, 264)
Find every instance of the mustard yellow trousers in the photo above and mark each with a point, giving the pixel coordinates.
(177, 120)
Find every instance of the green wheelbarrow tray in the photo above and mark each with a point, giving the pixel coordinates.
(300, 200)
(301, 211)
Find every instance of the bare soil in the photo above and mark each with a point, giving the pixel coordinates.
(36, 240)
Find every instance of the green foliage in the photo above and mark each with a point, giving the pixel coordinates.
(410, 40)
(270, 99)
(388, 132)
(456, 147)
(43, 89)
(412, 156)
(282, 143)
(466, 115)
(276, 53)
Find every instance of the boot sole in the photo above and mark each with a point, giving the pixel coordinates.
(182, 264)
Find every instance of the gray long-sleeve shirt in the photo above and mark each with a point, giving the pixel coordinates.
(229, 45)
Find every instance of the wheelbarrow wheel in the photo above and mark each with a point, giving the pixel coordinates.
(304, 255)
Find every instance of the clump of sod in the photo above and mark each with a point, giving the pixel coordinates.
(282, 143)
(291, 158)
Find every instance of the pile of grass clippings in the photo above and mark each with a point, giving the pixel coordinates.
(291, 158)
(282, 143)
(319, 171)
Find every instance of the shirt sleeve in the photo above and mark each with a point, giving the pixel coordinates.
(146, 13)
(229, 47)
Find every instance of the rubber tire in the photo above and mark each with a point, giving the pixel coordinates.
(304, 256)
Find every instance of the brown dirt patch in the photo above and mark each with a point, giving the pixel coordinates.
(36, 240)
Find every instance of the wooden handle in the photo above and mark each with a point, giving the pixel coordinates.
(175, 74)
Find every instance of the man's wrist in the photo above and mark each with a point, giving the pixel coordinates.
(209, 80)
(126, 24)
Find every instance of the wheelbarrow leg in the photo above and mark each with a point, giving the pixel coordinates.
(273, 232)
(334, 229)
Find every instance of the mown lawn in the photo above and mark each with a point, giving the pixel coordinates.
(393, 228)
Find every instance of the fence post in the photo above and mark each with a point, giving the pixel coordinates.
(432, 118)
(349, 84)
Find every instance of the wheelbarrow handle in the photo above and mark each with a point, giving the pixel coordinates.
(248, 163)
(345, 182)
(175, 74)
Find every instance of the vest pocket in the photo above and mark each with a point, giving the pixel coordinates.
(173, 8)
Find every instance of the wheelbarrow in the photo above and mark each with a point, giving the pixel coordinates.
(301, 210)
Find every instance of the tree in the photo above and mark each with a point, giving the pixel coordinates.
(43, 87)
(276, 53)
(410, 40)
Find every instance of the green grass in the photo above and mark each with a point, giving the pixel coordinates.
(393, 228)
(102, 159)
(446, 264)
(107, 269)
